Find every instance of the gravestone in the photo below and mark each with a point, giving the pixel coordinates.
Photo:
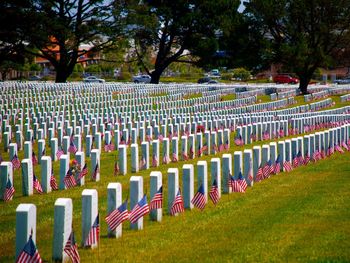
(27, 177)
(215, 171)
(63, 217)
(173, 186)
(46, 166)
(25, 226)
(187, 185)
(114, 200)
(155, 184)
(89, 214)
(136, 193)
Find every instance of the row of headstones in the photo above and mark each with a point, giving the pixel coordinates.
(42, 133)
(316, 95)
(27, 172)
(244, 94)
(339, 90)
(345, 98)
(321, 104)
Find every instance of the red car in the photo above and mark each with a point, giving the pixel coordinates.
(285, 79)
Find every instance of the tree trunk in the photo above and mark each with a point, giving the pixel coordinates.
(62, 74)
(155, 76)
(304, 82)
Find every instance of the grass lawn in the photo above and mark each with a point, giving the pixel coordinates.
(300, 216)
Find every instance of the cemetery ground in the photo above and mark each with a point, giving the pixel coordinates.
(298, 216)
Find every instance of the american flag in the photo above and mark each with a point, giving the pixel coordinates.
(118, 216)
(277, 167)
(300, 158)
(15, 162)
(72, 148)
(236, 186)
(345, 146)
(307, 158)
(166, 159)
(96, 171)
(214, 192)
(107, 149)
(111, 146)
(205, 148)
(154, 161)
(238, 140)
(157, 200)
(143, 163)
(295, 161)
(191, 152)
(315, 155)
(174, 158)
(215, 147)
(242, 182)
(184, 156)
(59, 153)
(139, 210)
(253, 137)
(116, 167)
(69, 180)
(259, 174)
(221, 147)
(9, 191)
(287, 166)
(37, 185)
(338, 148)
(71, 249)
(230, 182)
(53, 182)
(266, 135)
(177, 205)
(94, 233)
(199, 199)
(83, 172)
(281, 132)
(34, 159)
(29, 253)
(160, 137)
(226, 145)
(267, 169)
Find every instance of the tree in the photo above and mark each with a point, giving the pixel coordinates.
(11, 41)
(303, 35)
(171, 30)
(55, 30)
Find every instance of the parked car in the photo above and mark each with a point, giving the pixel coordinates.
(93, 79)
(141, 79)
(285, 79)
(207, 80)
(343, 81)
(34, 78)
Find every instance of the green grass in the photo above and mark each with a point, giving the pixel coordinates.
(300, 216)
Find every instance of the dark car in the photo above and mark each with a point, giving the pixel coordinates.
(34, 78)
(343, 81)
(285, 79)
(207, 80)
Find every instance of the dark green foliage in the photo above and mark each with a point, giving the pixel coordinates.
(169, 30)
(303, 35)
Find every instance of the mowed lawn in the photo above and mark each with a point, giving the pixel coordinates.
(300, 216)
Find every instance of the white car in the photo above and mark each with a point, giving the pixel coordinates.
(93, 79)
(141, 79)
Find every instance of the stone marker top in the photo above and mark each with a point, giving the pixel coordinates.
(24, 207)
(89, 192)
(273, 143)
(63, 201)
(257, 147)
(173, 170)
(226, 155)
(113, 185)
(135, 178)
(156, 173)
(187, 166)
(214, 160)
(237, 152)
(248, 151)
(202, 163)
(46, 158)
